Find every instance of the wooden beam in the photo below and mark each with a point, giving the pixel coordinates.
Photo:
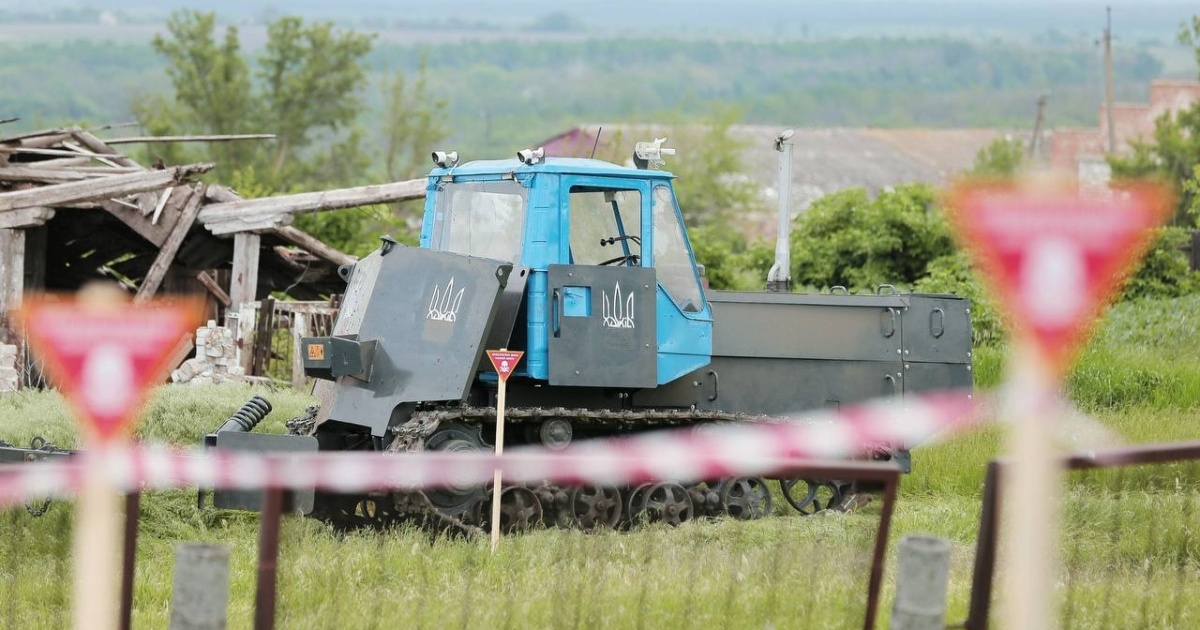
(215, 289)
(12, 268)
(315, 201)
(243, 286)
(167, 253)
(312, 245)
(104, 188)
(25, 217)
(268, 224)
(201, 138)
(221, 194)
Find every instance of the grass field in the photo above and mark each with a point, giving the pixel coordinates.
(1129, 551)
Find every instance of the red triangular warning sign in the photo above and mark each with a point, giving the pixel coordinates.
(1055, 258)
(505, 361)
(104, 357)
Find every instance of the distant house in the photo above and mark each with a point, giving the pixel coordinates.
(824, 160)
(1082, 150)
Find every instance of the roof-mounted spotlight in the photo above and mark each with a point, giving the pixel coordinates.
(531, 156)
(444, 159)
(783, 137)
(650, 154)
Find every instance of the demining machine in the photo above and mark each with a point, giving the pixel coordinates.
(586, 267)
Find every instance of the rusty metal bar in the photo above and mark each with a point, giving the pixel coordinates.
(1134, 455)
(989, 518)
(133, 511)
(985, 552)
(268, 559)
(881, 542)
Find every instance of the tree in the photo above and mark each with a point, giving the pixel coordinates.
(307, 89)
(211, 81)
(413, 123)
(1003, 157)
(310, 77)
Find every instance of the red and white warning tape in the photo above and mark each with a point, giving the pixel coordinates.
(749, 449)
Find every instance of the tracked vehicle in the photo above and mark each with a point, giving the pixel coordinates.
(586, 267)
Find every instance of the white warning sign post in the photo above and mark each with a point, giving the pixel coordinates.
(1054, 258)
(504, 362)
(103, 355)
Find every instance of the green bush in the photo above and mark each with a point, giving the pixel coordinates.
(1164, 272)
(850, 240)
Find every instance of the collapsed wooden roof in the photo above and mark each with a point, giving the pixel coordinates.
(106, 216)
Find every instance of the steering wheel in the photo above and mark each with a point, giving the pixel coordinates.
(620, 260)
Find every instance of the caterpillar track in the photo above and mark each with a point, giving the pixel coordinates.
(467, 509)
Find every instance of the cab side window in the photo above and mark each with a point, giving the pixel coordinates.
(606, 226)
(672, 262)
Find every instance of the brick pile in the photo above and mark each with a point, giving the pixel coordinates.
(216, 359)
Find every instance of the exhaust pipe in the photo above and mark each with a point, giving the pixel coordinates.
(779, 278)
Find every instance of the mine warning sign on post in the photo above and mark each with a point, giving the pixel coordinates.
(1056, 257)
(505, 361)
(104, 357)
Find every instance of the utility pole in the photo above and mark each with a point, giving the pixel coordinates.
(1035, 142)
(1108, 83)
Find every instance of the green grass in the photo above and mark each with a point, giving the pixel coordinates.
(1129, 550)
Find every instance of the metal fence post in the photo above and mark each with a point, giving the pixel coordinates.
(268, 558)
(132, 513)
(922, 577)
(200, 597)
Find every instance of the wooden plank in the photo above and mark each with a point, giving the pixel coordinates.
(25, 217)
(12, 268)
(243, 319)
(299, 331)
(132, 217)
(214, 288)
(163, 197)
(200, 138)
(96, 144)
(66, 162)
(104, 188)
(44, 175)
(166, 254)
(60, 152)
(312, 245)
(243, 285)
(263, 336)
(315, 201)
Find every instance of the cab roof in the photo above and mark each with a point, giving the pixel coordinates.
(557, 165)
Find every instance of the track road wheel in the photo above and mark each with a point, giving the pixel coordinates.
(746, 498)
(520, 510)
(595, 507)
(810, 496)
(635, 503)
(668, 503)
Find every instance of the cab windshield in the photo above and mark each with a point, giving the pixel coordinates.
(484, 219)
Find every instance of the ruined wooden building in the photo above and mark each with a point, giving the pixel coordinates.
(74, 208)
